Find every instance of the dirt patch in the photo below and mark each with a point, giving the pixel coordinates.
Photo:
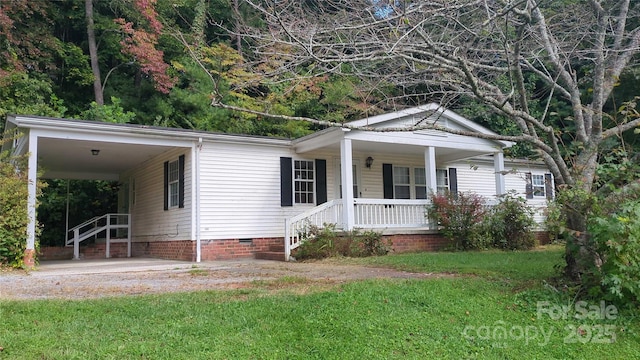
(270, 275)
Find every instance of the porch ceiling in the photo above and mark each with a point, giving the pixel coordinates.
(442, 154)
(72, 159)
(372, 148)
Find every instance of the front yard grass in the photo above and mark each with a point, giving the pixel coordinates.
(539, 264)
(456, 317)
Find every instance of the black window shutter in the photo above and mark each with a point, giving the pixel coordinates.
(387, 180)
(321, 181)
(529, 187)
(453, 181)
(286, 182)
(166, 185)
(548, 186)
(181, 181)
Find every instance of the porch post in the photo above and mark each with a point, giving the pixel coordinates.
(32, 176)
(346, 164)
(498, 165)
(430, 169)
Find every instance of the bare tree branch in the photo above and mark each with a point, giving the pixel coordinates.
(507, 54)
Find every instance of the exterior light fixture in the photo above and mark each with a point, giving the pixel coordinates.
(95, 152)
(368, 162)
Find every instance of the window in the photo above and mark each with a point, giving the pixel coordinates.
(173, 184)
(420, 183)
(401, 182)
(303, 180)
(537, 181)
(442, 181)
(538, 185)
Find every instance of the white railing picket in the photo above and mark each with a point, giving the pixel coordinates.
(368, 214)
(79, 235)
(390, 213)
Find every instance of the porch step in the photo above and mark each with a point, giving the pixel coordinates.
(270, 255)
(275, 252)
(277, 248)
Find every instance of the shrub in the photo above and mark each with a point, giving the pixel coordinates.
(617, 237)
(317, 243)
(320, 243)
(459, 217)
(554, 221)
(510, 223)
(368, 243)
(13, 209)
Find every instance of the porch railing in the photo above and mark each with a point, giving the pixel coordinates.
(390, 213)
(297, 227)
(97, 225)
(368, 214)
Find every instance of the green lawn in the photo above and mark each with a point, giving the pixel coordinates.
(495, 264)
(457, 317)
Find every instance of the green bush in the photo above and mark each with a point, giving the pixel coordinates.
(320, 243)
(510, 223)
(459, 216)
(370, 243)
(13, 209)
(469, 223)
(317, 243)
(555, 221)
(617, 237)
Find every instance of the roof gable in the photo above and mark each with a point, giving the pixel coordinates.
(429, 114)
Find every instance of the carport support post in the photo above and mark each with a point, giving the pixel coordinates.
(32, 177)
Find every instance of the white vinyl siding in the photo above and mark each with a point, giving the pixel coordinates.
(477, 177)
(240, 191)
(149, 220)
(242, 200)
(356, 180)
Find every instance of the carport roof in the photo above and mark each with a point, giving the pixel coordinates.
(64, 146)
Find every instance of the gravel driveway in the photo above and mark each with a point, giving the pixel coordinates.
(118, 277)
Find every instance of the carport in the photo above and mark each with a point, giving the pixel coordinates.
(85, 150)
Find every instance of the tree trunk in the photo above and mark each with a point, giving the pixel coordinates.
(93, 53)
(199, 24)
(580, 254)
(238, 27)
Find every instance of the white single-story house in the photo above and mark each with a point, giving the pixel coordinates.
(196, 195)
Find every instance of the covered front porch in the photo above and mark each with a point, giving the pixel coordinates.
(390, 173)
